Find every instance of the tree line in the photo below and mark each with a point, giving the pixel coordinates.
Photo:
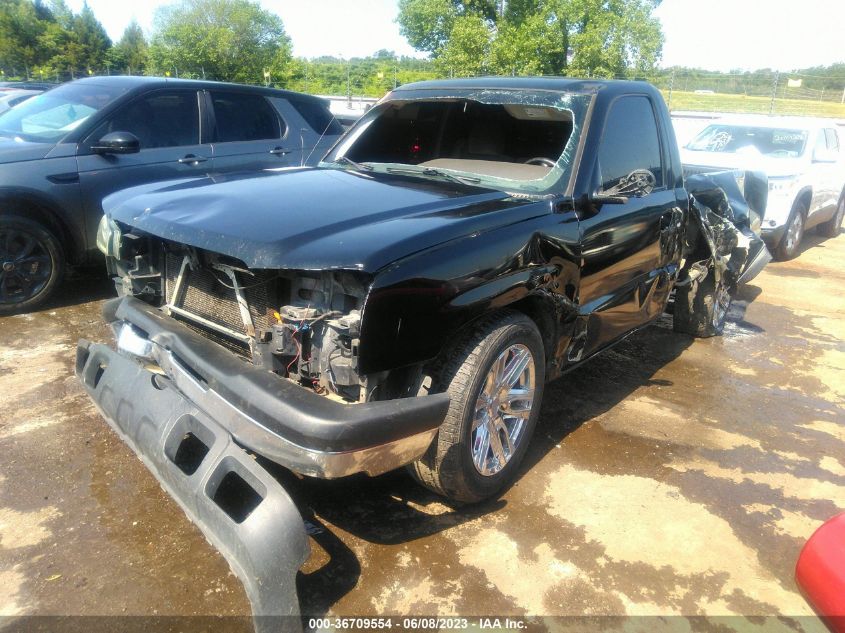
(233, 40)
(238, 40)
(587, 38)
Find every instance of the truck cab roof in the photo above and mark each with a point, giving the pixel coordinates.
(540, 83)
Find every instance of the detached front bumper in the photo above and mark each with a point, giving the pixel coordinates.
(240, 508)
(189, 409)
(301, 430)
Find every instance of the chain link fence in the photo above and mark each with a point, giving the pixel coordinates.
(760, 92)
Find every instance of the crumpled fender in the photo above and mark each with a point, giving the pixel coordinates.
(724, 215)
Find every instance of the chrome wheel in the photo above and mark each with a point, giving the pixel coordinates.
(25, 265)
(794, 232)
(502, 409)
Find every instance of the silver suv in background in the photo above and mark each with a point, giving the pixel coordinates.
(803, 158)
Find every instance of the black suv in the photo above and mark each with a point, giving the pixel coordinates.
(63, 151)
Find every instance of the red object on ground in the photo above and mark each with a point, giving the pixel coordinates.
(820, 572)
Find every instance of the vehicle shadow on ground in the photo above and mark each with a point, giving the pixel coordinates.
(80, 286)
(812, 240)
(809, 241)
(387, 510)
(602, 383)
(393, 509)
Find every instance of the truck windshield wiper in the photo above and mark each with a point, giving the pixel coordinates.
(430, 171)
(344, 160)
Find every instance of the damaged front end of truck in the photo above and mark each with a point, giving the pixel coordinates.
(722, 247)
(220, 363)
(223, 370)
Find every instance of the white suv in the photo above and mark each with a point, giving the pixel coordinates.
(805, 163)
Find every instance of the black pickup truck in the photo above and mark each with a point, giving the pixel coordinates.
(404, 302)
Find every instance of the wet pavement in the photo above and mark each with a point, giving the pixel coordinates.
(667, 476)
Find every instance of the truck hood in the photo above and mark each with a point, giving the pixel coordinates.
(316, 218)
(14, 151)
(773, 167)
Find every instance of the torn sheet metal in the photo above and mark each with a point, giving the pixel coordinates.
(726, 209)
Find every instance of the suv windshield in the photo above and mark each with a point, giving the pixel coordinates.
(511, 141)
(50, 116)
(730, 139)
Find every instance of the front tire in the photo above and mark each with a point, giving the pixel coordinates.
(495, 379)
(31, 264)
(791, 241)
(701, 309)
(832, 227)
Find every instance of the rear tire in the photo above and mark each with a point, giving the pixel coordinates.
(791, 241)
(832, 227)
(32, 264)
(703, 314)
(459, 464)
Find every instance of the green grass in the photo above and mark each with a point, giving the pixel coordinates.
(719, 102)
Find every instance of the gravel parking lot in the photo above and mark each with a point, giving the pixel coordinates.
(670, 476)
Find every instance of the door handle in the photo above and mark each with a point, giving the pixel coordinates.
(191, 159)
(279, 151)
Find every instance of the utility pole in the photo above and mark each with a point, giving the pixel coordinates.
(843, 96)
(774, 92)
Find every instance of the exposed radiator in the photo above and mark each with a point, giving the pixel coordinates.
(206, 293)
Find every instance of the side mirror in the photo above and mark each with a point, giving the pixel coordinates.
(588, 205)
(117, 143)
(824, 155)
(600, 199)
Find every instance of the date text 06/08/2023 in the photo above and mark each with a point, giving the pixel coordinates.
(414, 623)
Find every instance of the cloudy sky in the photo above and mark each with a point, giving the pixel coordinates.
(716, 34)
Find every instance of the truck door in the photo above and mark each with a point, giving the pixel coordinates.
(626, 265)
